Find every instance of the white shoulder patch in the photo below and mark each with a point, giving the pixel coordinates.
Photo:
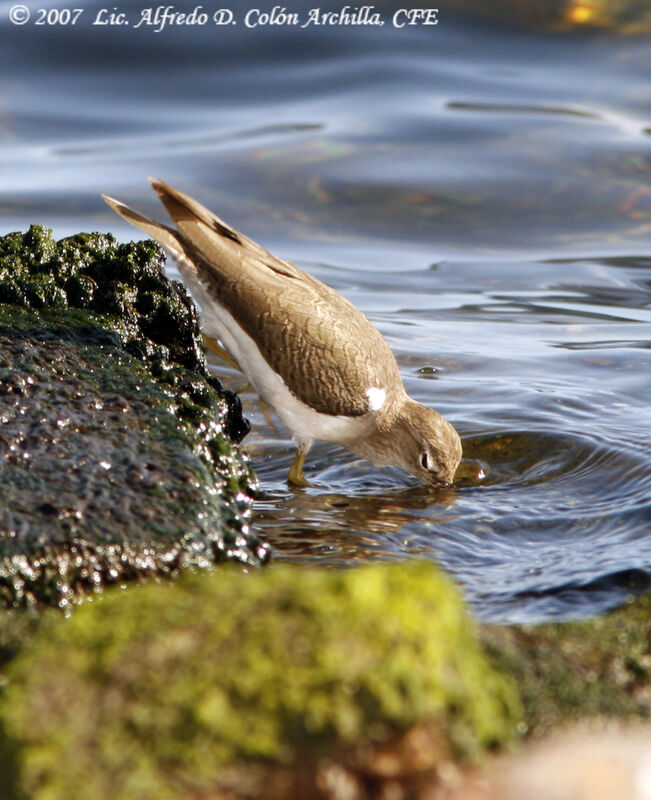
(376, 398)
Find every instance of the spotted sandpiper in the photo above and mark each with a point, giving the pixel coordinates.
(317, 361)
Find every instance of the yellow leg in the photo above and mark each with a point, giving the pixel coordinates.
(217, 350)
(296, 476)
(265, 408)
(267, 415)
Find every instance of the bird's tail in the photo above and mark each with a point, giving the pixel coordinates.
(161, 233)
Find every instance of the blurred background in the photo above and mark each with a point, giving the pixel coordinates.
(479, 187)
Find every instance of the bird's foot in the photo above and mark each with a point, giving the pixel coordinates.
(296, 476)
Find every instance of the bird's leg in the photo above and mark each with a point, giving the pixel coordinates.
(296, 476)
(217, 350)
(266, 411)
(267, 415)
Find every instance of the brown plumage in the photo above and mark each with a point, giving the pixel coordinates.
(327, 354)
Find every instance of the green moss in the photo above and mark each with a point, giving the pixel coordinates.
(117, 459)
(151, 693)
(124, 289)
(95, 273)
(17, 631)
(594, 668)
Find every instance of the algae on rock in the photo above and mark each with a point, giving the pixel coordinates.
(117, 454)
(595, 668)
(157, 693)
(370, 675)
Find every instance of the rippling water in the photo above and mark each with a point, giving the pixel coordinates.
(480, 191)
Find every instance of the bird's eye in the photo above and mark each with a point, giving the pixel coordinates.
(424, 460)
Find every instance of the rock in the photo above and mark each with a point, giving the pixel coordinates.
(608, 762)
(117, 454)
(586, 692)
(291, 682)
(595, 668)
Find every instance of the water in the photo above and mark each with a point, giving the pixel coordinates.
(479, 190)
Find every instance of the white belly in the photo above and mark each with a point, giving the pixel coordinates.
(304, 422)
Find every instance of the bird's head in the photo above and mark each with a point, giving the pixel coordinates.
(420, 441)
(431, 447)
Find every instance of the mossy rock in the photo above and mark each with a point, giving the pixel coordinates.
(120, 288)
(230, 679)
(596, 668)
(117, 454)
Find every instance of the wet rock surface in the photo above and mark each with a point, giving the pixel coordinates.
(117, 454)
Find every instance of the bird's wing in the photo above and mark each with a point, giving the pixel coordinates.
(296, 320)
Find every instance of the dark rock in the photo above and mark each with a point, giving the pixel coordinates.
(117, 454)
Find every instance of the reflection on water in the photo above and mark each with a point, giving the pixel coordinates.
(546, 374)
(479, 190)
(527, 538)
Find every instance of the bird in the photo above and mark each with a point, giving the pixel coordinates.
(317, 361)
